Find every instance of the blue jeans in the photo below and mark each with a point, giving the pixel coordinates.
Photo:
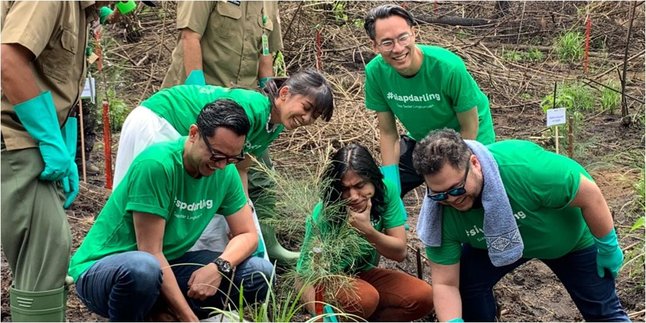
(595, 297)
(126, 286)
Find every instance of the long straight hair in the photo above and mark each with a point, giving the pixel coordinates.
(357, 158)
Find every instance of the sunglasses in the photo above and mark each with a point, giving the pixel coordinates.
(456, 191)
(217, 156)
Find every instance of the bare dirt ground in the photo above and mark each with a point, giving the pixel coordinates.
(317, 35)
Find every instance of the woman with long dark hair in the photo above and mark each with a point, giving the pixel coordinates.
(355, 193)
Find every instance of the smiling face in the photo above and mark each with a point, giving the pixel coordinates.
(225, 145)
(293, 110)
(395, 41)
(356, 191)
(449, 178)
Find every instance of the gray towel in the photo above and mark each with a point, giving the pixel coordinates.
(504, 243)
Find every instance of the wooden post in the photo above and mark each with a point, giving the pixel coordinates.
(586, 53)
(624, 104)
(570, 136)
(107, 145)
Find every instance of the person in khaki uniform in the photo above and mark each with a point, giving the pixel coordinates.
(223, 41)
(231, 44)
(43, 64)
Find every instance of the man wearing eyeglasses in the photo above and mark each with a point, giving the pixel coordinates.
(135, 260)
(561, 214)
(424, 87)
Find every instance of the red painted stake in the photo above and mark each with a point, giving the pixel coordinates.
(586, 54)
(318, 298)
(107, 144)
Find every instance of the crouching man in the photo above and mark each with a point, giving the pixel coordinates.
(502, 205)
(134, 259)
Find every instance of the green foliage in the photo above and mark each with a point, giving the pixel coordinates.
(119, 110)
(569, 47)
(576, 97)
(280, 70)
(338, 7)
(533, 55)
(610, 100)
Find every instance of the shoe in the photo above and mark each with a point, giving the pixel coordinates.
(92, 169)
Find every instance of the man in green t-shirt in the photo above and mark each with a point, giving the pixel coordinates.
(561, 214)
(137, 250)
(424, 87)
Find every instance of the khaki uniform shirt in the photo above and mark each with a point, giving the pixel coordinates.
(56, 33)
(231, 40)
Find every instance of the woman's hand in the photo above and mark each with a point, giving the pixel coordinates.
(360, 220)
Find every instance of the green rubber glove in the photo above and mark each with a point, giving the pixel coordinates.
(391, 172)
(263, 81)
(609, 255)
(38, 116)
(104, 13)
(456, 319)
(126, 7)
(71, 181)
(196, 77)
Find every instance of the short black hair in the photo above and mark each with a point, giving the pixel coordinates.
(438, 148)
(310, 84)
(383, 12)
(223, 113)
(357, 158)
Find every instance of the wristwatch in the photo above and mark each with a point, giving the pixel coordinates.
(224, 266)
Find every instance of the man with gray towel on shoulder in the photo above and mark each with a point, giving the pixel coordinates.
(489, 209)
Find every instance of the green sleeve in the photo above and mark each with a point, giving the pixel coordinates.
(395, 213)
(450, 251)
(374, 96)
(555, 179)
(234, 199)
(462, 88)
(149, 188)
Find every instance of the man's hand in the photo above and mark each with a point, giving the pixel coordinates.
(360, 220)
(204, 282)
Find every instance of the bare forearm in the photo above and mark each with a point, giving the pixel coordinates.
(469, 123)
(447, 302)
(171, 291)
(387, 246)
(240, 247)
(389, 144)
(192, 53)
(18, 81)
(266, 66)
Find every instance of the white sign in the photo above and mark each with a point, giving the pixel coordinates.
(89, 89)
(555, 117)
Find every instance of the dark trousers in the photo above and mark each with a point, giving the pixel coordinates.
(89, 130)
(595, 297)
(407, 174)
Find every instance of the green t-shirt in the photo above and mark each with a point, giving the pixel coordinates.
(157, 183)
(540, 186)
(392, 217)
(430, 99)
(180, 105)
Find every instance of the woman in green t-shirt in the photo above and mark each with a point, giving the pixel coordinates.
(356, 194)
(285, 103)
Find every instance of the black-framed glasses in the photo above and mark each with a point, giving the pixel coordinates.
(217, 156)
(388, 44)
(456, 191)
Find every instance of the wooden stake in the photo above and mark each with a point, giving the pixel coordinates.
(570, 137)
(83, 166)
(556, 140)
(624, 104)
(107, 145)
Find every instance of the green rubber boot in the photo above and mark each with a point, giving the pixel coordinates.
(41, 306)
(275, 250)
